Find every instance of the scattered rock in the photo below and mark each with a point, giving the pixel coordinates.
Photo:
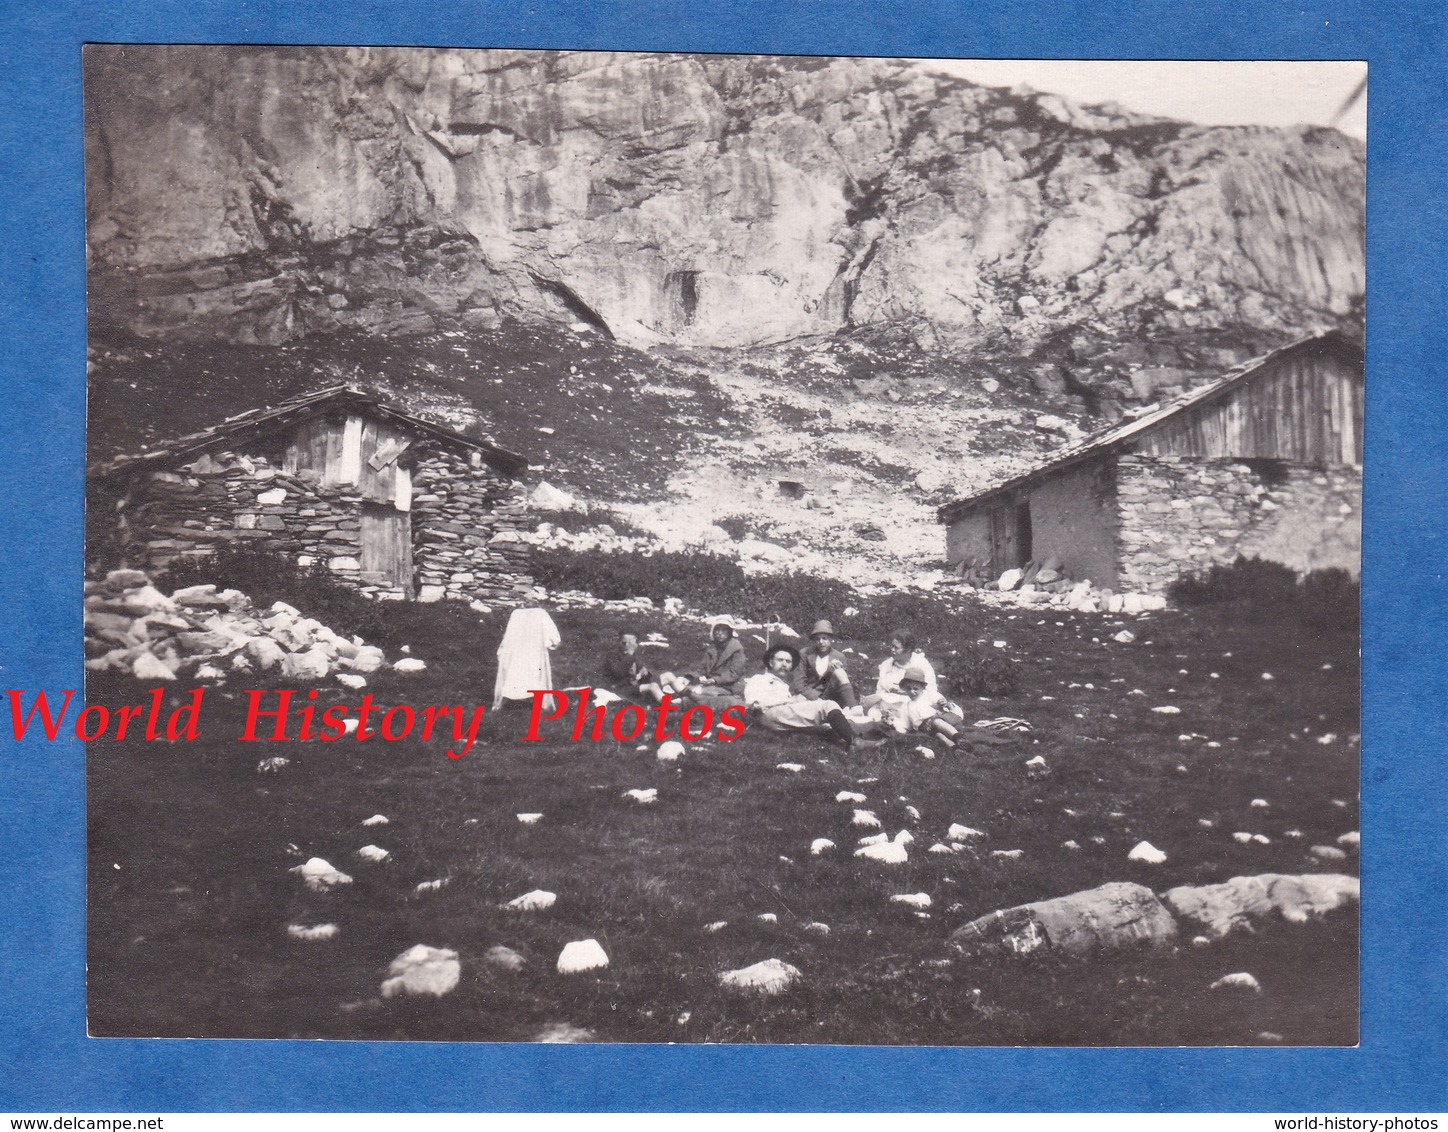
(565, 1033)
(643, 797)
(317, 934)
(772, 976)
(1113, 916)
(865, 819)
(820, 845)
(373, 853)
(1147, 853)
(917, 900)
(1239, 980)
(849, 796)
(505, 958)
(319, 875)
(535, 901)
(409, 664)
(1243, 902)
(791, 768)
(1328, 853)
(546, 497)
(958, 832)
(422, 970)
(272, 765)
(888, 853)
(530, 819)
(431, 885)
(581, 955)
(671, 751)
(375, 819)
(716, 926)
(1352, 840)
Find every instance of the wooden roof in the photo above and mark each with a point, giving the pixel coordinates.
(255, 422)
(1114, 436)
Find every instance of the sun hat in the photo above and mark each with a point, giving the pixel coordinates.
(821, 629)
(914, 674)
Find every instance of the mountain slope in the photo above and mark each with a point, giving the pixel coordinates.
(262, 194)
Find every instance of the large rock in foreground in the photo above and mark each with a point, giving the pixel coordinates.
(1116, 915)
(1217, 910)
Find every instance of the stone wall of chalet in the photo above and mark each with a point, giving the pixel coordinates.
(465, 523)
(1181, 514)
(465, 532)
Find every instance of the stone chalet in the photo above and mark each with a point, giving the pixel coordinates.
(1264, 461)
(398, 506)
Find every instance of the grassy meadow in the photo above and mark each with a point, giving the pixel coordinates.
(190, 896)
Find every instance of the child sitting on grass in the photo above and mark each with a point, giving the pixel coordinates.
(922, 711)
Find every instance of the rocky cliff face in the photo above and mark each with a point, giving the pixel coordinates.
(259, 195)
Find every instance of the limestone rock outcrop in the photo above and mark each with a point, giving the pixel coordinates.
(1115, 915)
(260, 194)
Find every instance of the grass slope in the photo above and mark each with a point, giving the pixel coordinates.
(189, 850)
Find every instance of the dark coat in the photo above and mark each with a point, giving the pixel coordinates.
(724, 665)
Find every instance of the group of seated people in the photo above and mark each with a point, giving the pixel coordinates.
(801, 692)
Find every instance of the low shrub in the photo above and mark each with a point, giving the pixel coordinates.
(703, 581)
(1265, 590)
(881, 615)
(1330, 597)
(736, 526)
(978, 670)
(1257, 580)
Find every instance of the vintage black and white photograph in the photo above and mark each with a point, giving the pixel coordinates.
(669, 548)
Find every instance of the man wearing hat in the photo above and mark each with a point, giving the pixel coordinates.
(721, 672)
(781, 708)
(821, 673)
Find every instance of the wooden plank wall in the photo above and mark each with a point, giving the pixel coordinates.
(1305, 410)
(339, 450)
(381, 484)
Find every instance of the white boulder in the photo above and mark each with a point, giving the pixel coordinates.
(422, 970)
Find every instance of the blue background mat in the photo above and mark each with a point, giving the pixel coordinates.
(46, 1061)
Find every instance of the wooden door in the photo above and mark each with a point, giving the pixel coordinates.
(387, 546)
(1010, 536)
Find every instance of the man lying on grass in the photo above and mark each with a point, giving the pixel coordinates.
(781, 709)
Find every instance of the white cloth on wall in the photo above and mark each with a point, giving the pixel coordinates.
(524, 665)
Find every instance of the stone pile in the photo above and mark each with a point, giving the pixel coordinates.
(1042, 583)
(205, 634)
